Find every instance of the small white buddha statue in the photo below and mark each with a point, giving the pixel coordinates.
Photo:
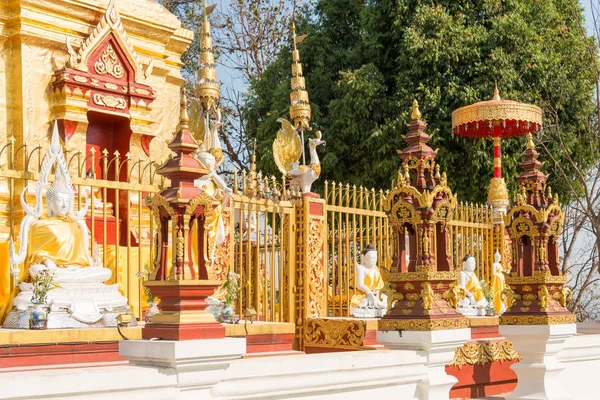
(59, 245)
(474, 303)
(367, 301)
(498, 283)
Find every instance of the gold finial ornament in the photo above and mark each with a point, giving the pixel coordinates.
(416, 114)
(207, 87)
(299, 104)
(530, 144)
(496, 92)
(184, 117)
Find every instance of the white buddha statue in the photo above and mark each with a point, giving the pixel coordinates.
(59, 245)
(368, 301)
(474, 300)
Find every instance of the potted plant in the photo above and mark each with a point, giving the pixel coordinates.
(152, 309)
(42, 284)
(231, 286)
(489, 296)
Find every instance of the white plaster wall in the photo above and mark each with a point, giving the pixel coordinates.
(581, 356)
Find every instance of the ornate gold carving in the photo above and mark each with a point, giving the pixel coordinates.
(563, 295)
(454, 294)
(203, 199)
(498, 191)
(481, 353)
(342, 333)
(424, 276)
(392, 296)
(418, 324)
(110, 101)
(412, 296)
(509, 297)
(527, 288)
(110, 23)
(316, 276)
(427, 295)
(543, 297)
(537, 320)
(538, 277)
(108, 63)
(409, 286)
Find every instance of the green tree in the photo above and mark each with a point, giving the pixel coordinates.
(365, 62)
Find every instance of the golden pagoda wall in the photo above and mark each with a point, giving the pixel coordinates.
(33, 36)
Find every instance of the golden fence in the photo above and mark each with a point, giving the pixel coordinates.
(355, 218)
(472, 232)
(112, 186)
(264, 246)
(260, 218)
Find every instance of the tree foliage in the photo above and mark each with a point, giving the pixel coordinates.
(365, 62)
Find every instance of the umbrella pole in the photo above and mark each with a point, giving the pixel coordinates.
(497, 152)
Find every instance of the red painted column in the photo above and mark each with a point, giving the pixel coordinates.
(497, 152)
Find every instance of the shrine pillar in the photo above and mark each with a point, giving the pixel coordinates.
(536, 320)
(419, 315)
(311, 267)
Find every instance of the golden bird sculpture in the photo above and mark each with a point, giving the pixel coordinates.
(287, 147)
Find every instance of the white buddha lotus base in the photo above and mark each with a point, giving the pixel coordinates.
(63, 320)
(539, 371)
(438, 347)
(368, 312)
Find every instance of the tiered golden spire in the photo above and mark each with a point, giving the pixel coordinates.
(299, 104)
(207, 87)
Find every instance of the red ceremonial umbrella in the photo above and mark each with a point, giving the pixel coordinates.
(497, 119)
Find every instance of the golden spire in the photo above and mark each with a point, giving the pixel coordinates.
(299, 104)
(184, 118)
(530, 144)
(207, 87)
(496, 92)
(416, 114)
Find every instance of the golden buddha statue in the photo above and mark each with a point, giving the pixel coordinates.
(59, 245)
(368, 301)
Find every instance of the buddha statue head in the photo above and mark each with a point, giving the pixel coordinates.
(497, 257)
(369, 256)
(469, 263)
(59, 199)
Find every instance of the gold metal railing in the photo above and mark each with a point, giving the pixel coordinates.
(112, 185)
(472, 232)
(264, 245)
(355, 218)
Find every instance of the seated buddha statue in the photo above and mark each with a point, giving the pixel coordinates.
(58, 244)
(467, 279)
(367, 301)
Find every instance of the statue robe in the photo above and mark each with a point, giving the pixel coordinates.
(497, 287)
(374, 281)
(57, 239)
(474, 287)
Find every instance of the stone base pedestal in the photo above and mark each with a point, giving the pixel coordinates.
(439, 348)
(183, 314)
(539, 371)
(198, 364)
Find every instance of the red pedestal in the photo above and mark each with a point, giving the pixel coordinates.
(183, 315)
